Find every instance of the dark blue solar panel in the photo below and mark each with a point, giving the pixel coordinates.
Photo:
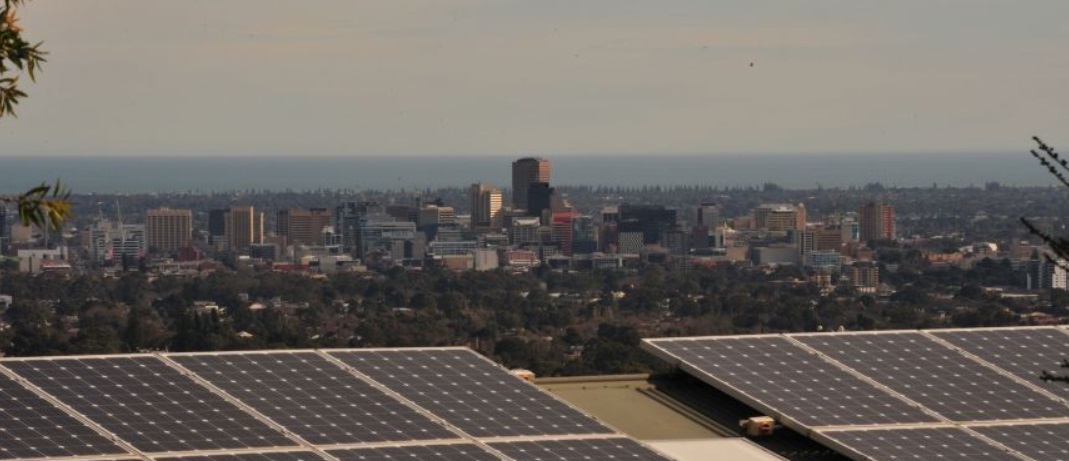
(926, 444)
(936, 376)
(579, 450)
(456, 452)
(277, 456)
(1037, 441)
(1025, 352)
(148, 404)
(31, 427)
(313, 397)
(471, 393)
(790, 380)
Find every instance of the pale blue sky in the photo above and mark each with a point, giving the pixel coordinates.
(550, 77)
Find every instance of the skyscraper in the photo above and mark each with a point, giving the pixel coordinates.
(539, 198)
(3, 226)
(527, 171)
(168, 230)
(485, 207)
(877, 222)
(303, 227)
(709, 215)
(217, 226)
(244, 227)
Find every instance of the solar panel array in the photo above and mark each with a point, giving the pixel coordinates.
(815, 392)
(1037, 441)
(470, 393)
(937, 376)
(944, 443)
(456, 452)
(31, 427)
(314, 398)
(446, 404)
(1025, 352)
(938, 394)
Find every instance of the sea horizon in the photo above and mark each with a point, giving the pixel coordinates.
(198, 174)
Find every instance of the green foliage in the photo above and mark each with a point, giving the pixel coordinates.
(17, 55)
(43, 205)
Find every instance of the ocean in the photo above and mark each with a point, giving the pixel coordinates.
(207, 174)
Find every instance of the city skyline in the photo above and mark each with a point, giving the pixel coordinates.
(509, 79)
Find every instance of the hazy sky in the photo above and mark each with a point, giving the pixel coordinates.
(551, 77)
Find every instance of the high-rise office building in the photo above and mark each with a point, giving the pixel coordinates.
(434, 216)
(303, 227)
(217, 226)
(539, 198)
(3, 227)
(485, 207)
(877, 222)
(708, 215)
(820, 238)
(527, 171)
(779, 217)
(649, 220)
(244, 227)
(584, 235)
(562, 233)
(168, 230)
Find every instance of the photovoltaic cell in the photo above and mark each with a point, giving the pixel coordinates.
(792, 381)
(31, 427)
(148, 404)
(314, 398)
(936, 376)
(579, 450)
(457, 452)
(1037, 441)
(471, 393)
(279, 456)
(945, 444)
(1025, 352)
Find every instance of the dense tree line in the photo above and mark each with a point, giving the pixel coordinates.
(555, 324)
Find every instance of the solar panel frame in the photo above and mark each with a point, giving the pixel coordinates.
(281, 386)
(780, 389)
(1039, 441)
(437, 452)
(914, 365)
(446, 391)
(140, 402)
(1023, 352)
(603, 449)
(33, 427)
(921, 444)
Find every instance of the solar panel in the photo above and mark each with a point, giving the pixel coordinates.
(314, 398)
(791, 381)
(946, 444)
(277, 456)
(1039, 441)
(456, 452)
(579, 450)
(1025, 352)
(470, 392)
(31, 427)
(148, 404)
(936, 376)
